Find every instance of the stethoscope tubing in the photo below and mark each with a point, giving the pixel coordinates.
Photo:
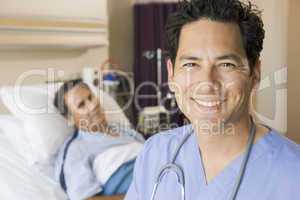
(180, 174)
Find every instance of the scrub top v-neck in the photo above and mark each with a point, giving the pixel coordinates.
(273, 170)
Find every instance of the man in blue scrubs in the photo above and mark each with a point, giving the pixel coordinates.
(214, 67)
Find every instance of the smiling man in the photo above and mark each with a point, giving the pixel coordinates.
(214, 67)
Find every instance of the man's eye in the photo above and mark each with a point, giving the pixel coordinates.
(228, 65)
(90, 97)
(190, 65)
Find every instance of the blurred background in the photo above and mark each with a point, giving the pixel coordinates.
(67, 38)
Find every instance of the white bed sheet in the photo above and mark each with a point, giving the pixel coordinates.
(20, 181)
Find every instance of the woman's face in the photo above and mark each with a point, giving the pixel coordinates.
(84, 109)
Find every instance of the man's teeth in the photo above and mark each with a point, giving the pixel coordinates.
(208, 103)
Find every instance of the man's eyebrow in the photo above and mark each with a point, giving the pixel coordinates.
(187, 57)
(230, 56)
(222, 57)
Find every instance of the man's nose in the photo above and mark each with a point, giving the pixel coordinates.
(209, 73)
(208, 80)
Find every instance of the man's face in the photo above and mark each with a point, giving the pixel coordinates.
(211, 78)
(85, 108)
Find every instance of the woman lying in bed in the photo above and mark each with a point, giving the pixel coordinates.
(97, 160)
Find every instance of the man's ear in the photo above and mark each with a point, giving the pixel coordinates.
(170, 68)
(256, 74)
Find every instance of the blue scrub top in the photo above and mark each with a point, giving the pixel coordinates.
(272, 173)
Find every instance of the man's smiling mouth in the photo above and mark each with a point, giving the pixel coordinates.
(208, 103)
(214, 103)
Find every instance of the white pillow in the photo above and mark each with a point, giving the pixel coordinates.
(13, 129)
(44, 129)
(20, 181)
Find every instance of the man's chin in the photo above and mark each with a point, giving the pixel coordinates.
(208, 118)
(214, 126)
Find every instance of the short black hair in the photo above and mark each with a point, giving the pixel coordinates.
(245, 15)
(59, 99)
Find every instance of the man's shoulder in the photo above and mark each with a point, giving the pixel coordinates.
(284, 172)
(288, 157)
(159, 149)
(167, 139)
(290, 151)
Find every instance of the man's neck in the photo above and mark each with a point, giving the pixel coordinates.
(218, 148)
(223, 139)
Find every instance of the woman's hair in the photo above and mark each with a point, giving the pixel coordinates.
(245, 15)
(59, 99)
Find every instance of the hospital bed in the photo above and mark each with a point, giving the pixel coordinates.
(28, 137)
(18, 179)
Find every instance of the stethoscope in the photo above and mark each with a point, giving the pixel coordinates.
(180, 174)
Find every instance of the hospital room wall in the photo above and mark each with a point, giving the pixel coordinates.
(294, 70)
(280, 67)
(121, 37)
(15, 63)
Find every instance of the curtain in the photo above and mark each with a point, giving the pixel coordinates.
(155, 1)
(149, 28)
